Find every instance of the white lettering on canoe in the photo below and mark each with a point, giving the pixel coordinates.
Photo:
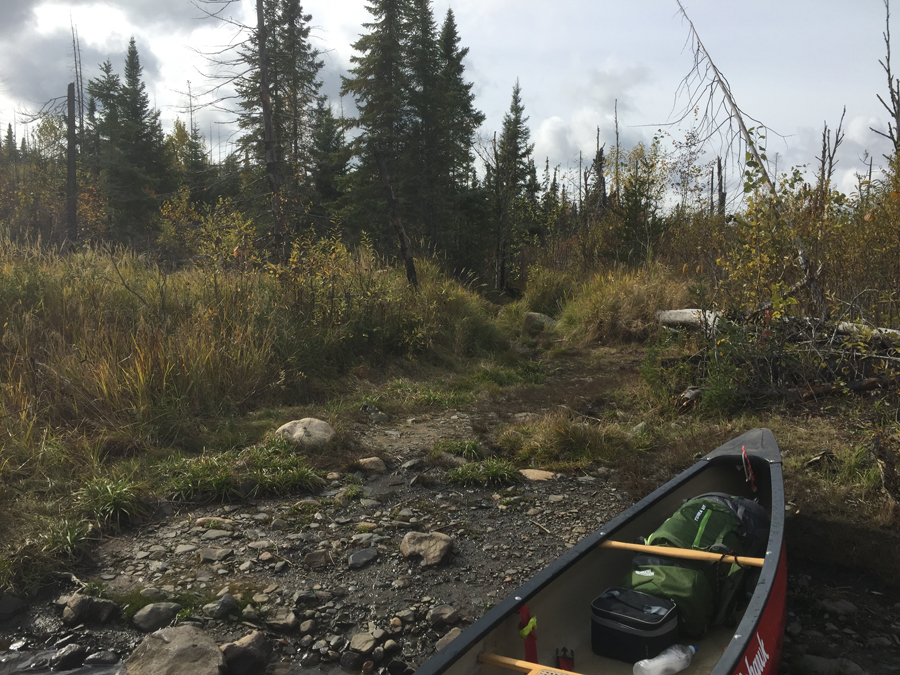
(758, 665)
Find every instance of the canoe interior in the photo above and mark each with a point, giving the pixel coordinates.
(562, 600)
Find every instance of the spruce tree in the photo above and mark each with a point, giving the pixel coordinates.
(329, 164)
(460, 117)
(293, 66)
(379, 83)
(126, 148)
(421, 170)
(512, 185)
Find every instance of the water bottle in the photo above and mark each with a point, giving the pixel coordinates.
(670, 661)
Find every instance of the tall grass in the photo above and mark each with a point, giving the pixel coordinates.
(620, 304)
(105, 340)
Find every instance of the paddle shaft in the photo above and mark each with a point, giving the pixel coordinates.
(521, 666)
(685, 553)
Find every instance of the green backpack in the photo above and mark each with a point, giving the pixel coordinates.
(705, 593)
(689, 588)
(702, 525)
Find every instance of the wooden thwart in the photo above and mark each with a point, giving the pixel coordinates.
(521, 666)
(685, 553)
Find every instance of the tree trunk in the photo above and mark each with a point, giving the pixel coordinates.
(71, 184)
(396, 220)
(268, 133)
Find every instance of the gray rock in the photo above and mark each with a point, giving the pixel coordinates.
(391, 646)
(156, 615)
(183, 650)
(351, 662)
(221, 608)
(434, 547)
(448, 638)
(307, 627)
(318, 559)
(307, 433)
(406, 615)
(362, 643)
(215, 534)
(68, 657)
(284, 620)
(362, 558)
(154, 594)
(373, 465)
(215, 554)
(880, 641)
(103, 658)
(535, 322)
(249, 613)
(442, 615)
(10, 605)
(311, 660)
(88, 609)
(185, 548)
(249, 655)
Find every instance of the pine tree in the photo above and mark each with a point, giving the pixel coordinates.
(293, 66)
(329, 164)
(421, 167)
(512, 183)
(142, 135)
(189, 164)
(380, 82)
(10, 156)
(460, 117)
(125, 147)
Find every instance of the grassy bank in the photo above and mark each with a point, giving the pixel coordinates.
(124, 382)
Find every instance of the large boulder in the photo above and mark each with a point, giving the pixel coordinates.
(307, 433)
(182, 650)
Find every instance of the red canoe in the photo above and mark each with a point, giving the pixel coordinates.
(560, 596)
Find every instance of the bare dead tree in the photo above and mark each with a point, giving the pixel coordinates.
(71, 183)
(721, 186)
(827, 162)
(893, 109)
(723, 117)
(79, 79)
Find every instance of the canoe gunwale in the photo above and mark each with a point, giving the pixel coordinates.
(763, 451)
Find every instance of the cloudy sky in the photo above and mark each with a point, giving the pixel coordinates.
(792, 64)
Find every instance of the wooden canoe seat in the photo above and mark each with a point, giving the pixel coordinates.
(521, 666)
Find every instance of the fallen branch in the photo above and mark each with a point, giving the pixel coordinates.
(690, 318)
